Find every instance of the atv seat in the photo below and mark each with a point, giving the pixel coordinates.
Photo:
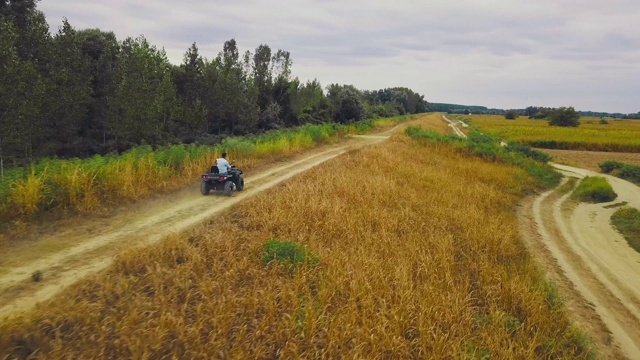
(214, 169)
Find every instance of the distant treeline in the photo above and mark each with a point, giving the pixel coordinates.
(531, 111)
(82, 92)
(464, 109)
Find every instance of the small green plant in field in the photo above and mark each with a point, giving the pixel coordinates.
(594, 189)
(288, 252)
(603, 121)
(627, 221)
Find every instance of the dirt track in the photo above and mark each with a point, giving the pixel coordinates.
(596, 259)
(97, 241)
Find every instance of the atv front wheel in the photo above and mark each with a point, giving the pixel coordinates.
(205, 188)
(228, 188)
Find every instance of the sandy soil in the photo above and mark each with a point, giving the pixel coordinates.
(91, 246)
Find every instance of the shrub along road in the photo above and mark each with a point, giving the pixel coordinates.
(93, 244)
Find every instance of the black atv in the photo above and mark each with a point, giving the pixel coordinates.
(227, 183)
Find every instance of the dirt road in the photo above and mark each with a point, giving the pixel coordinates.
(94, 243)
(594, 257)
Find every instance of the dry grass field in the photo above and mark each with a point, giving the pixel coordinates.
(617, 135)
(419, 257)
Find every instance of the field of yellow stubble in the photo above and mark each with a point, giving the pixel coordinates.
(419, 258)
(616, 136)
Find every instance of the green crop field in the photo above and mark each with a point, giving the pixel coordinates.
(616, 135)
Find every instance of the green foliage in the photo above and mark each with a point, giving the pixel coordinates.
(347, 103)
(289, 253)
(627, 221)
(528, 151)
(564, 116)
(610, 165)
(396, 101)
(629, 172)
(144, 101)
(603, 121)
(511, 115)
(594, 189)
(624, 171)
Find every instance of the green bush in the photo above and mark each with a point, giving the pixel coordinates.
(629, 172)
(564, 116)
(624, 171)
(595, 190)
(610, 165)
(627, 221)
(287, 252)
(511, 115)
(529, 152)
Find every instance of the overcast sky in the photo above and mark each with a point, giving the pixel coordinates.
(496, 53)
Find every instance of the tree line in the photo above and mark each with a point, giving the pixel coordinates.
(77, 93)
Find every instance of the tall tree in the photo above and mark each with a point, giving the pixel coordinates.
(21, 92)
(101, 50)
(237, 98)
(346, 102)
(143, 98)
(262, 76)
(68, 92)
(191, 88)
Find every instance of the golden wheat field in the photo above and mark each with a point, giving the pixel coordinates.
(419, 257)
(617, 135)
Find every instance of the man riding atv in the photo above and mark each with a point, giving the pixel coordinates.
(223, 165)
(223, 177)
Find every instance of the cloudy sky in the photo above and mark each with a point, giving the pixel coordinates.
(496, 53)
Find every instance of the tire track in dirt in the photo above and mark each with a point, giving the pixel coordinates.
(454, 126)
(95, 252)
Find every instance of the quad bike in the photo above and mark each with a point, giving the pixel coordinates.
(227, 183)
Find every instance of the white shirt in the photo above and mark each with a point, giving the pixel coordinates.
(223, 165)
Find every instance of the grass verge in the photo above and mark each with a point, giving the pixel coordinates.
(627, 221)
(89, 185)
(488, 147)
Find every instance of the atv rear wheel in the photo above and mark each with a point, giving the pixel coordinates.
(240, 186)
(228, 188)
(205, 188)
